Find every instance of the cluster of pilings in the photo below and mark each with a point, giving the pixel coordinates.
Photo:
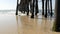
(48, 7)
(33, 5)
(56, 26)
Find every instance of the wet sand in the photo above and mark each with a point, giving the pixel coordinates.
(12, 24)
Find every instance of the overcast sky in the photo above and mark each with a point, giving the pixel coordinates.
(11, 4)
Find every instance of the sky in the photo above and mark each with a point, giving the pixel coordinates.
(7, 4)
(11, 4)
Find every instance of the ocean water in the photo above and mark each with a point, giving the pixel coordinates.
(14, 11)
(7, 11)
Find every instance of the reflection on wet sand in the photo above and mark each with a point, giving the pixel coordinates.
(11, 24)
(35, 26)
(28, 25)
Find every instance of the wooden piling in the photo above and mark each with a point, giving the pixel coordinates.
(56, 25)
(17, 8)
(45, 9)
(42, 7)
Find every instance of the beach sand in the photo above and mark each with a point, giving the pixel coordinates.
(12, 24)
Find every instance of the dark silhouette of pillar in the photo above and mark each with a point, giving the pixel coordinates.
(32, 16)
(42, 7)
(36, 7)
(51, 7)
(27, 9)
(45, 9)
(28, 1)
(56, 26)
(17, 8)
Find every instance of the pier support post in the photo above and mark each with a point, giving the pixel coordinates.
(45, 9)
(32, 16)
(56, 26)
(17, 8)
(36, 7)
(42, 7)
(28, 9)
